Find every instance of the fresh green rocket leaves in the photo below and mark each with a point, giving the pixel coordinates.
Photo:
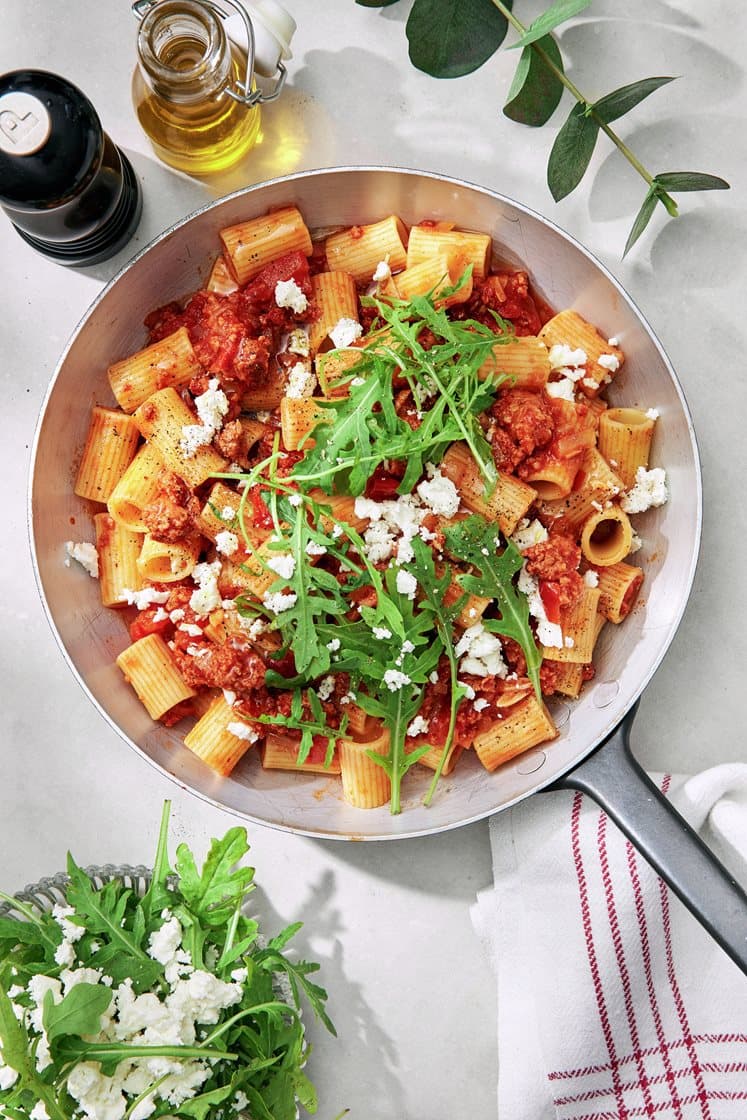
(450, 38)
(252, 1050)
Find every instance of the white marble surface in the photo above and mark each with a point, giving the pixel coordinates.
(409, 990)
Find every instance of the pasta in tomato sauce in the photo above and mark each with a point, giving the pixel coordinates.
(375, 510)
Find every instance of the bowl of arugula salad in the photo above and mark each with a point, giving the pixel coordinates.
(134, 993)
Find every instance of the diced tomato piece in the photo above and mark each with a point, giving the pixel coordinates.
(261, 516)
(382, 485)
(145, 624)
(550, 595)
(291, 266)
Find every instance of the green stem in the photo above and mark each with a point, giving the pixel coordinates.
(447, 639)
(572, 88)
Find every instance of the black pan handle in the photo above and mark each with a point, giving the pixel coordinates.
(620, 786)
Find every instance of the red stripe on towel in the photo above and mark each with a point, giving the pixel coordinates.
(622, 1112)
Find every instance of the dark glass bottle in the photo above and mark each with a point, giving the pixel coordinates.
(67, 189)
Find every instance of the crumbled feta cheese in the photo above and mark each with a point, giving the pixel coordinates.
(433, 677)
(229, 696)
(298, 342)
(590, 383)
(561, 355)
(144, 598)
(295, 500)
(283, 564)
(301, 382)
(636, 543)
(85, 554)
(212, 406)
(563, 389)
(288, 294)
(383, 271)
(439, 493)
(528, 533)
(71, 931)
(314, 549)
(650, 490)
(345, 332)
(419, 726)
(227, 513)
(177, 614)
(65, 953)
(568, 642)
(609, 362)
(652, 413)
(191, 629)
(356, 381)
(406, 584)
(164, 942)
(278, 601)
(613, 341)
(242, 731)
(381, 633)
(591, 578)
(481, 704)
(326, 688)
(226, 542)
(481, 653)
(549, 633)
(333, 645)
(394, 679)
(469, 692)
(207, 597)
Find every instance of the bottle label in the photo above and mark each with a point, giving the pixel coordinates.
(24, 124)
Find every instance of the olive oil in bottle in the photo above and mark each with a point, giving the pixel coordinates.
(183, 89)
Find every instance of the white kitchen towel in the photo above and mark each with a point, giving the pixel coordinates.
(613, 1002)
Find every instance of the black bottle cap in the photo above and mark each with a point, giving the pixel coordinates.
(68, 190)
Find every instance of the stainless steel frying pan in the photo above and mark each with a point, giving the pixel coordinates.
(566, 275)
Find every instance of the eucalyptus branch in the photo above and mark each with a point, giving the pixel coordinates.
(449, 39)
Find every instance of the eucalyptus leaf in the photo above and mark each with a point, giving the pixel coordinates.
(450, 38)
(690, 181)
(556, 14)
(571, 152)
(616, 104)
(642, 219)
(535, 91)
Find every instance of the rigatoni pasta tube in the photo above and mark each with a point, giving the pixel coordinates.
(169, 362)
(136, 489)
(524, 360)
(606, 536)
(524, 726)
(432, 275)
(426, 241)
(298, 415)
(118, 549)
(625, 436)
(432, 757)
(359, 250)
(109, 449)
(250, 245)
(551, 477)
(280, 752)
(148, 667)
(220, 279)
(618, 585)
(579, 625)
(214, 740)
(599, 484)
(335, 297)
(167, 562)
(509, 500)
(266, 396)
(569, 679)
(161, 420)
(571, 329)
(365, 784)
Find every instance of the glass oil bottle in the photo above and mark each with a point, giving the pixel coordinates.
(193, 88)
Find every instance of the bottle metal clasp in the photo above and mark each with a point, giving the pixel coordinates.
(246, 95)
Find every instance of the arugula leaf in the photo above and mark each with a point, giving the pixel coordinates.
(102, 911)
(309, 726)
(474, 541)
(536, 90)
(213, 892)
(450, 38)
(78, 1012)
